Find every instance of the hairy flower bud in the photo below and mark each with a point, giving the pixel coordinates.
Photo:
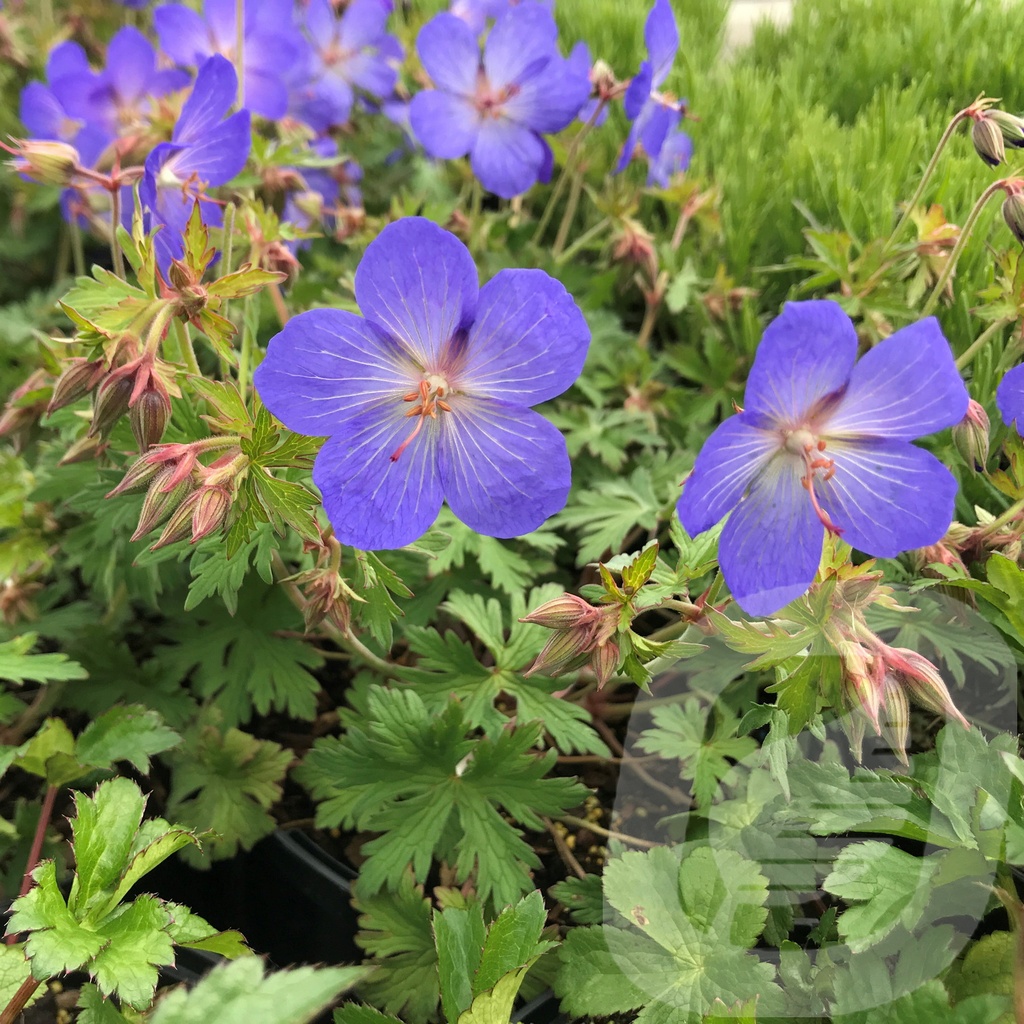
(179, 526)
(140, 473)
(567, 649)
(562, 612)
(988, 141)
(110, 402)
(149, 416)
(923, 681)
(212, 507)
(1011, 126)
(1013, 214)
(44, 161)
(160, 503)
(605, 661)
(895, 718)
(77, 381)
(970, 436)
(83, 450)
(859, 688)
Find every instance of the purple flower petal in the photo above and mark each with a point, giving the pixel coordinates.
(551, 99)
(905, 387)
(771, 545)
(363, 22)
(265, 93)
(661, 35)
(654, 124)
(807, 354)
(519, 45)
(1010, 398)
(419, 283)
(732, 456)
(446, 125)
(131, 63)
(638, 92)
(450, 54)
(221, 154)
(887, 496)
(328, 366)
(183, 35)
(528, 342)
(674, 158)
(628, 148)
(215, 90)
(504, 469)
(373, 502)
(507, 158)
(66, 59)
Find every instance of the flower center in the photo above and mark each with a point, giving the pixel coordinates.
(810, 448)
(429, 397)
(488, 100)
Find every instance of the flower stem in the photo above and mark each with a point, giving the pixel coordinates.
(979, 343)
(36, 849)
(570, 213)
(571, 819)
(115, 222)
(188, 352)
(12, 1011)
(77, 251)
(908, 210)
(245, 356)
(1006, 517)
(961, 242)
(240, 50)
(588, 236)
(568, 170)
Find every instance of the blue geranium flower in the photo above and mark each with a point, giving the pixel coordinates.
(271, 45)
(348, 53)
(61, 109)
(206, 149)
(654, 115)
(496, 107)
(426, 397)
(825, 444)
(475, 13)
(1010, 398)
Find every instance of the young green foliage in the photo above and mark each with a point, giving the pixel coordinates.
(434, 793)
(677, 940)
(119, 944)
(18, 665)
(242, 993)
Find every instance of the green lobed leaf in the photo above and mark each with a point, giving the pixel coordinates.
(130, 733)
(459, 937)
(240, 993)
(17, 665)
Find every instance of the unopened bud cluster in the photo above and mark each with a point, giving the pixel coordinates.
(583, 634)
(190, 500)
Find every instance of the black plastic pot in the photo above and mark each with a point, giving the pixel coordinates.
(543, 1009)
(288, 898)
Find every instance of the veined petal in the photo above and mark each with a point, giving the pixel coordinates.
(445, 124)
(771, 546)
(373, 502)
(661, 34)
(1010, 398)
(887, 496)
(450, 54)
(507, 157)
(905, 387)
(528, 342)
(504, 468)
(419, 283)
(328, 366)
(551, 99)
(654, 124)
(222, 151)
(522, 41)
(734, 454)
(213, 93)
(806, 354)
